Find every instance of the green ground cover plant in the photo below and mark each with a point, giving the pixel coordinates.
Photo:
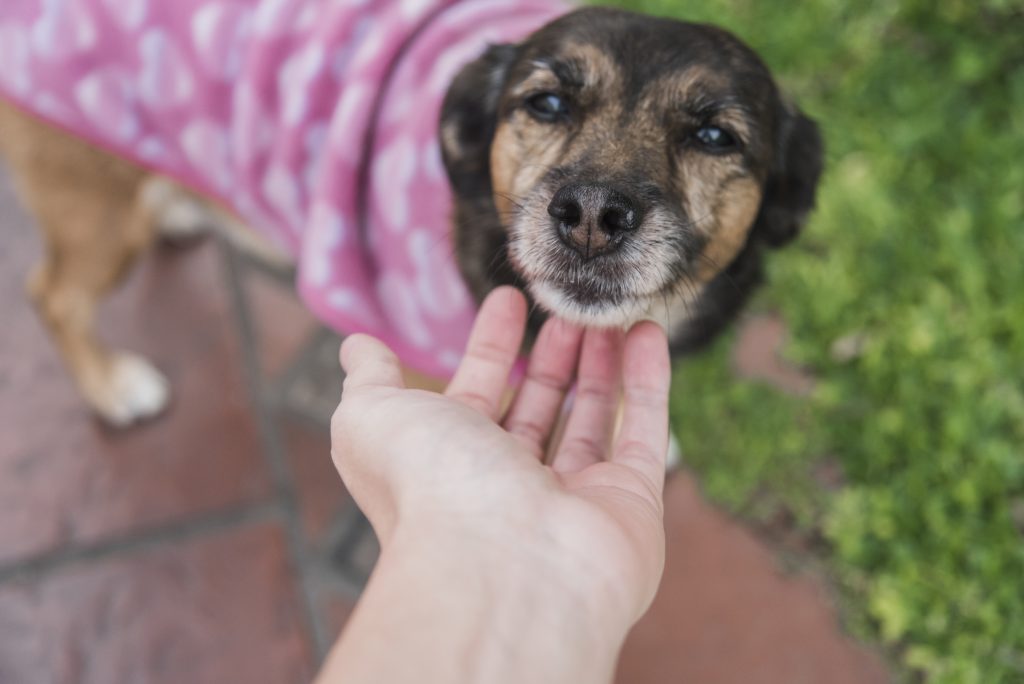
(905, 298)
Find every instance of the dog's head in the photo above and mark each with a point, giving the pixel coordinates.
(616, 165)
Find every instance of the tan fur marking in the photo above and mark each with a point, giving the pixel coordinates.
(542, 78)
(521, 153)
(600, 71)
(738, 203)
(735, 120)
(504, 161)
(683, 86)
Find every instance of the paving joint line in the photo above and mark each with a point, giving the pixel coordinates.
(143, 540)
(267, 411)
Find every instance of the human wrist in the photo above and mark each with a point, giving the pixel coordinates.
(518, 611)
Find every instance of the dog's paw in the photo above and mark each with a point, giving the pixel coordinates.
(183, 219)
(131, 391)
(177, 215)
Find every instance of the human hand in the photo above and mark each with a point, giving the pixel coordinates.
(455, 470)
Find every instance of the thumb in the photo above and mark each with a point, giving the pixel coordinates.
(368, 362)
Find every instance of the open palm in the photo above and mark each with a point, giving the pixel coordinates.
(583, 508)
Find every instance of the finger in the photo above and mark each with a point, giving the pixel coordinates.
(548, 377)
(368, 362)
(592, 419)
(642, 443)
(493, 347)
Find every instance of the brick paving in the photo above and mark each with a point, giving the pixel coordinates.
(177, 552)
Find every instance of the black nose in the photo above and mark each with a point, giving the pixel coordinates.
(593, 218)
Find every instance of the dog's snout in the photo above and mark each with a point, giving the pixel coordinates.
(593, 218)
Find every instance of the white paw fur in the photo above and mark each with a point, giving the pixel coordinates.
(177, 215)
(132, 390)
(183, 219)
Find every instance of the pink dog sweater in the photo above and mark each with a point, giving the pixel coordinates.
(316, 120)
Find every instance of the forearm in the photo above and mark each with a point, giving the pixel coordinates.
(431, 615)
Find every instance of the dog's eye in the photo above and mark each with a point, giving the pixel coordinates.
(547, 107)
(715, 138)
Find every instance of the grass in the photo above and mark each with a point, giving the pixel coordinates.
(917, 253)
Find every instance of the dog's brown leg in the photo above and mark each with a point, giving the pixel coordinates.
(90, 210)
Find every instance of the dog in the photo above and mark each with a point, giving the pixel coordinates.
(613, 166)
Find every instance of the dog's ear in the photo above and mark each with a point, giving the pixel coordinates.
(793, 181)
(469, 117)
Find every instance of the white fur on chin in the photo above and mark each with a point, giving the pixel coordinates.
(622, 315)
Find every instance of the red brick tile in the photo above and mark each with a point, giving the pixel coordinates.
(757, 355)
(321, 495)
(219, 609)
(725, 613)
(332, 607)
(337, 609)
(282, 322)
